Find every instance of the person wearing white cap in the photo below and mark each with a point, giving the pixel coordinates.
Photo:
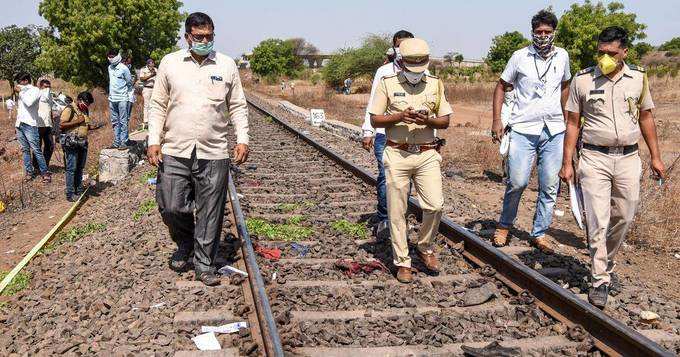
(410, 105)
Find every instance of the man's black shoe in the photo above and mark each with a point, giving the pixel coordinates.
(208, 278)
(615, 286)
(179, 261)
(598, 296)
(72, 198)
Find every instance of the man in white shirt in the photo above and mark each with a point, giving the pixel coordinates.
(540, 76)
(196, 92)
(45, 121)
(27, 127)
(378, 144)
(10, 108)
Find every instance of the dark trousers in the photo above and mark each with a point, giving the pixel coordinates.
(378, 148)
(184, 184)
(46, 143)
(75, 158)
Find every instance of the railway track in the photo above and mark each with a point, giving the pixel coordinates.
(332, 291)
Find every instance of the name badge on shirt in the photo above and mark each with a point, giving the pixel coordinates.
(539, 86)
(597, 91)
(399, 94)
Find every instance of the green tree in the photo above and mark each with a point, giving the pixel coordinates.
(19, 48)
(673, 44)
(643, 48)
(355, 62)
(579, 27)
(82, 31)
(502, 48)
(274, 57)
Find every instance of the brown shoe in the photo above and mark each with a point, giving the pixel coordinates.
(543, 244)
(500, 237)
(404, 275)
(430, 261)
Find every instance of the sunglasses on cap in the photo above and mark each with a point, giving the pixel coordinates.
(416, 60)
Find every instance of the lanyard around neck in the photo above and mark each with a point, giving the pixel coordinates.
(541, 77)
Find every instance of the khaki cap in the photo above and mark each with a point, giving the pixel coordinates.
(415, 54)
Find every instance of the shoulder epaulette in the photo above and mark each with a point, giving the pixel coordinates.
(585, 71)
(636, 68)
(432, 75)
(390, 75)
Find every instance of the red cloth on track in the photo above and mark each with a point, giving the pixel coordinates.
(268, 253)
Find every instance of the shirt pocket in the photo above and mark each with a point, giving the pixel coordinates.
(216, 87)
(595, 103)
(631, 100)
(398, 105)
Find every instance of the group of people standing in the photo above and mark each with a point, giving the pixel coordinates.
(122, 94)
(602, 111)
(37, 125)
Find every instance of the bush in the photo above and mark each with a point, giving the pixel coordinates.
(275, 57)
(355, 62)
(502, 48)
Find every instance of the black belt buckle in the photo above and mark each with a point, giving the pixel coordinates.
(616, 150)
(413, 148)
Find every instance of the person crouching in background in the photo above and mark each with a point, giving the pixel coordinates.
(74, 125)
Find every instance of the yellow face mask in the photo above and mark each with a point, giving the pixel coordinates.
(607, 63)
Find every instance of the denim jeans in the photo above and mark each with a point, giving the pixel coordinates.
(548, 153)
(75, 158)
(378, 149)
(119, 121)
(47, 144)
(29, 139)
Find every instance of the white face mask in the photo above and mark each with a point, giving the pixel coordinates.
(413, 77)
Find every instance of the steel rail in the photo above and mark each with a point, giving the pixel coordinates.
(270, 332)
(610, 335)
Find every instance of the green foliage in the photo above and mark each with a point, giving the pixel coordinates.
(20, 282)
(502, 48)
(19, 48)
(469, 74)
(296, 219)
(579, 27)
(316, 78)
(146, 207)
(73, 235)
(643, 48)
(147, 175)
(355, 62)
(274, 57)
(290, 231)
(673, 44)
(82, 31)
(357, 230)
(287, 207)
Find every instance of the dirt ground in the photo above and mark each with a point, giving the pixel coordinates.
(32, 208)
(471, 164)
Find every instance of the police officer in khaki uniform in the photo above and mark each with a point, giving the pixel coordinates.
(410, 105)
(614, 101)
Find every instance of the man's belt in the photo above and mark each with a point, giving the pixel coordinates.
(612, 150)
(414, 148)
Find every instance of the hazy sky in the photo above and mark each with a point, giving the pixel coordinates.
(465, 26)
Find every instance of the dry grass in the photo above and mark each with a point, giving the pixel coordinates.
(470, 93)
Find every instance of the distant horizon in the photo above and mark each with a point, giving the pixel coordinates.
(455, 26)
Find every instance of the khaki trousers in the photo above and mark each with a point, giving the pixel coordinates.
(611, 192)
(146, 94)
(425, 171)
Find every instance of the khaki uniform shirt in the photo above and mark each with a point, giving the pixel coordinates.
(192, 103)
(71, 114)
(395, 94)
(609, 106)
(145, 71)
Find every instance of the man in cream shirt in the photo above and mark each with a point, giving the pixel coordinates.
(188, 131)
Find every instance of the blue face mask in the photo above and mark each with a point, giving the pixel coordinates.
(202, 49)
